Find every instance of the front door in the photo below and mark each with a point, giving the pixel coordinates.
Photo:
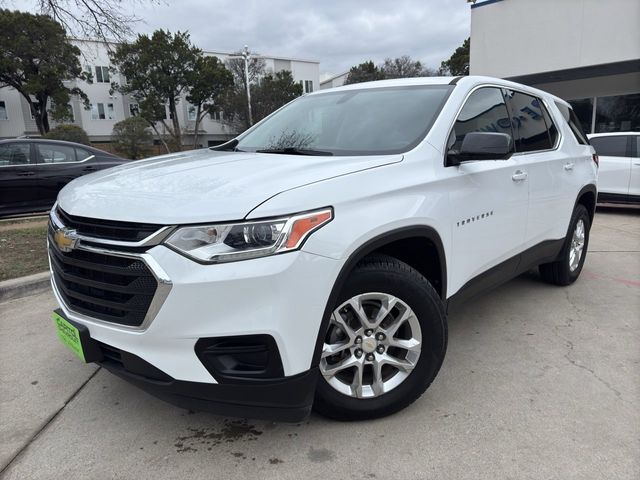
(19, 191)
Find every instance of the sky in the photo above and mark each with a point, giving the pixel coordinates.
(338, 33)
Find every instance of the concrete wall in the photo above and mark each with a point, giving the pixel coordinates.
(519, 37)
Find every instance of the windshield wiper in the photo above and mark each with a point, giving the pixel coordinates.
(231, 146)
(295, 151)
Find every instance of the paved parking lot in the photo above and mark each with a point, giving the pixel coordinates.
(539, 382)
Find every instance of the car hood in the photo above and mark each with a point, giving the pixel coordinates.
(202, 185)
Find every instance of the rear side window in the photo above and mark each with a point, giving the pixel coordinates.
(571, 118)
(484, 111)
(49, 153)
(82, 154)
(611, 146)
(528, 122)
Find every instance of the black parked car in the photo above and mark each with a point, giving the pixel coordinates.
(32, 171)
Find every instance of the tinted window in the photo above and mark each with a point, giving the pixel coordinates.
(354, 122)
(484, 111)
(614, 146)
(551, 125)
(583, 108)
(48, 153)
(569, 115)
(529, 127)
(82, 154)
(15, 154)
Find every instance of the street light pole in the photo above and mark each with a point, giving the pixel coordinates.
(247, 55)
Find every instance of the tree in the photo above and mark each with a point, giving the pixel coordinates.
(365, 72)
(69, 133)
(210, 81)
(36, 59)
(403, 67)
(234, 101)
(458, 62)
(273, 91)
(90, 18)
(159, 69)
(131, 137)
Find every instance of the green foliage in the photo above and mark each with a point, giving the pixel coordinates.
(458, 62)
(69, 133)
(273, 91)
(209, 82)
(132, 138)
(35, 59)
(159, 69)
(365, 72)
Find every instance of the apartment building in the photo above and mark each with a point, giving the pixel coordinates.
(108, 108)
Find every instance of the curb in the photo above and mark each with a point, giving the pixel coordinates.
(24, 286)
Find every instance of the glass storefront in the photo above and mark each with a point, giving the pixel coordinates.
(620, 113)
(617, 113)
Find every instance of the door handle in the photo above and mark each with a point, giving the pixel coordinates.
(569, 166)
(519, 176)
(25, 174)
(90, 169)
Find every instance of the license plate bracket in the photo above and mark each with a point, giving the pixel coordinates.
(76, 337)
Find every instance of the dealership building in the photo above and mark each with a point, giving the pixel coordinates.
(584, 51)
(108, 107)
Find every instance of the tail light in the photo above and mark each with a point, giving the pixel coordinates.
(596, 160)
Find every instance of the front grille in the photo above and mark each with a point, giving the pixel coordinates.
(102, 286)
(107, 229)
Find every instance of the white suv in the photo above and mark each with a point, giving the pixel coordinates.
(311, 260)
(619, 174)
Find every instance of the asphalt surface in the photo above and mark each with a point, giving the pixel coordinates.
(540, 382)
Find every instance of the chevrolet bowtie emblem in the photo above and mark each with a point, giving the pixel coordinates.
(66, 239)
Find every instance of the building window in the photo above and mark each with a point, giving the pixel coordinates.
(134, 109)
(3, 110)
(308, 86)
(192, 113)
(619, 113)
(98, 111)
(102, 74)
(216, 116)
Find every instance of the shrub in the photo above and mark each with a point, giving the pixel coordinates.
(70, 133)
(132, 138)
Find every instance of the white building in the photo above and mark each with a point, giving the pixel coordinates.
(109, 108)
(585, 51)
(334, 81)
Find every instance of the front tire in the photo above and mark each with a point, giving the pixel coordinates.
(567, 268)
(385, 342)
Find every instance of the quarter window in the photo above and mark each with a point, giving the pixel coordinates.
(55, 153)
(611, 146)
(574, 124)
(527, 120)
(484, 111)
(14, 154)
(82, 154)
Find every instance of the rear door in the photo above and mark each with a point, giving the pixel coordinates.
(634, 182)
(614, 175)
(58, 165)
(536, 139)
(19, 192)
(488, 198)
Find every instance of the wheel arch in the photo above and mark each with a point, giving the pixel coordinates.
(390, 243)
(588, 197)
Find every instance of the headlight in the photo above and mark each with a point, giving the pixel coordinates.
(239, 241)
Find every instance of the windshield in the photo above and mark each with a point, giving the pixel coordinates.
(374, 121)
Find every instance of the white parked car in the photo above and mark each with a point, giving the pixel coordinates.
(619, 174)
(311, 261)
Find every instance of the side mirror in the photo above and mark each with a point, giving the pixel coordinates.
(482, 146)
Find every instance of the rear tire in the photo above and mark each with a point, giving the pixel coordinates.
(567, 268)
(389, 330)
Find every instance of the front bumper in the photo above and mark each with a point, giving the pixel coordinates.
(282, 296)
